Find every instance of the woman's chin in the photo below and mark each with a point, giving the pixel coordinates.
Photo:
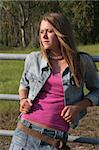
(47, 47)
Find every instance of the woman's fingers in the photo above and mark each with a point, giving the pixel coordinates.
(24, 110)
(64, 111)
(29, 102)
(25, 106)
(69, 112)
(68, 119)
(66, 114)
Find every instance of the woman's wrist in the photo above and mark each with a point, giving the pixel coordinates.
(83, 104)
(23, 98)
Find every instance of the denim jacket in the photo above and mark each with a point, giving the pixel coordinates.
(36, 72)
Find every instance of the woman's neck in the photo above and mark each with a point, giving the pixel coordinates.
(55, 56)
(58, 66)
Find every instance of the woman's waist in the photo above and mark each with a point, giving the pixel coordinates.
(52, 125)
(46, 116)
(44, 129)
(38, 124)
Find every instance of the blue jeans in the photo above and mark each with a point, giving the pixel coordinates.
(22, 141)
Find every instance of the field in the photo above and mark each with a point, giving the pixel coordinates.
(10, 74)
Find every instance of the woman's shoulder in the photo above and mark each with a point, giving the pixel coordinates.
(85, 57)
(87, 61)
(33, 56)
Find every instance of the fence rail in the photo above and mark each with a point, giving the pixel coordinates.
(4, 56)
(12, 56)
(15, 97)
(10, 97)
(78, 139)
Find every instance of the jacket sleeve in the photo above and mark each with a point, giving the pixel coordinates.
(24, 83)
(91, 81)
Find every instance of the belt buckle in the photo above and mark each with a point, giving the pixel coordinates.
(26, 123)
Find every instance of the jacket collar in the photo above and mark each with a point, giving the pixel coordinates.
(44, 64)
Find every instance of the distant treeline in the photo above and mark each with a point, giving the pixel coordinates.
(19, 20)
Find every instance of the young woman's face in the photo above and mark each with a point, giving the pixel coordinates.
(48, 37)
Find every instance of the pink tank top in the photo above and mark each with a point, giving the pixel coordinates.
(48, 105)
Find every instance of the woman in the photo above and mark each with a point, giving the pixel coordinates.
(51, 89)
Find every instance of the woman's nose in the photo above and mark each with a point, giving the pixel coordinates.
(45, 35)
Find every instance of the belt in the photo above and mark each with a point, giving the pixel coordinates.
(58, 143)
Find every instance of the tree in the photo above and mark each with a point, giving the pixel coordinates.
(84, 20)
(25, 16)
(19, 20)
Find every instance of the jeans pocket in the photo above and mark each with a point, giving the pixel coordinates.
(19, 138)
(16, 147)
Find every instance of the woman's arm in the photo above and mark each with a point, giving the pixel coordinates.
(70, 112)
(91, 81)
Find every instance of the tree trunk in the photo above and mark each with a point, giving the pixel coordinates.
(22, 24)
(23, 37)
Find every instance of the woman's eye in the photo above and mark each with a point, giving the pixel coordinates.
(41, 31)
(50, 31)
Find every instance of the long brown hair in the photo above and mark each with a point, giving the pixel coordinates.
(64, 32)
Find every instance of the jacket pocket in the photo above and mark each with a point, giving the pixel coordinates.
(32, 79)
(35, 84)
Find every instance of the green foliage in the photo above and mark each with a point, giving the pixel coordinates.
(84, 21)
(20, 20)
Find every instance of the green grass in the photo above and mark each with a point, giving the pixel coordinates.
(10, 74)
(91, 49)
(17, 50)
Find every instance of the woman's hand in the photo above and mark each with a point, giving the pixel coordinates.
(69, 112)
(25, 105)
